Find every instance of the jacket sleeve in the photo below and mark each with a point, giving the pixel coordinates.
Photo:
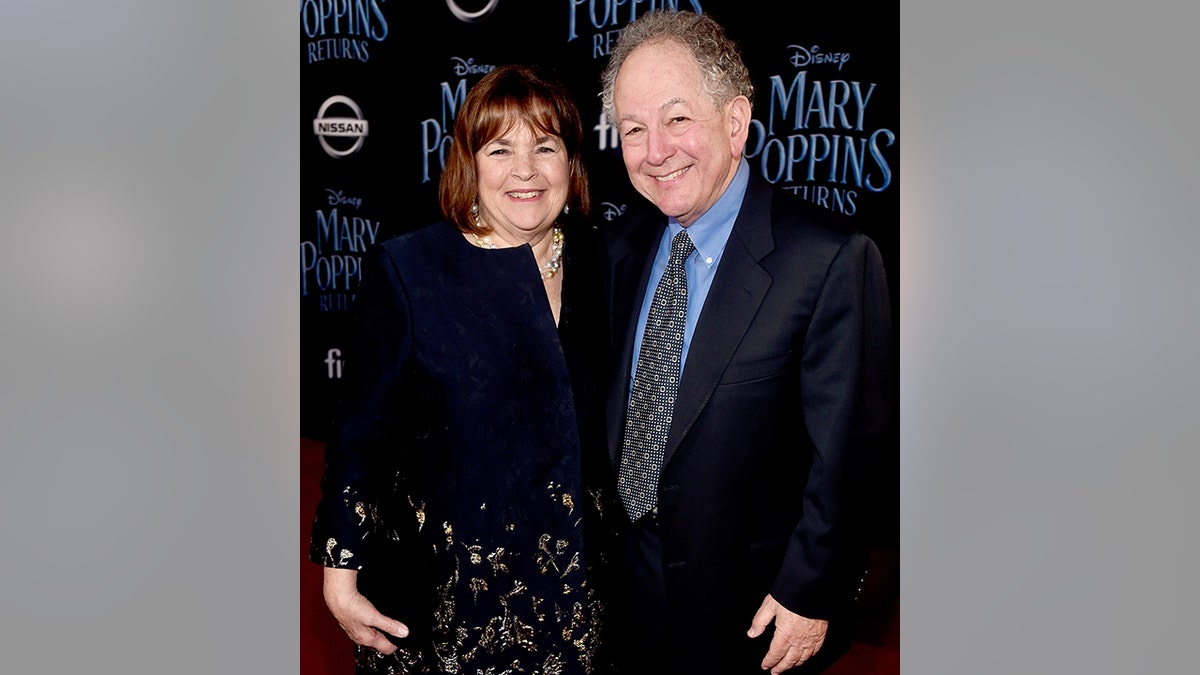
(847, 389)
(379, 342)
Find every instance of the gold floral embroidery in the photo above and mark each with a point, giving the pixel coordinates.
(477, 586)
(343, 555)
(597, 496)
(523, 634)
(529, 624)
(473, 551)
(545, 557)
(518, 588)
(419, 512)
(571, 566)
(496, 558)
(553, 665)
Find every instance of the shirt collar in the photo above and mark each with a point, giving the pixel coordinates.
(711, 230)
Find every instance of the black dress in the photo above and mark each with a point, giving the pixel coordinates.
(469, 458)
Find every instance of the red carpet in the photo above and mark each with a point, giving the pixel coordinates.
(325, 649)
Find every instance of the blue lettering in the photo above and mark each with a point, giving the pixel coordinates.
(853, 160)
(607, 13)
(837, 104)
(433, 141)
(773, 148)
(816, 103)
(308, 260)
(344, 17)
(451, 100)
(862, 103)
(812, 101)
(794, 156)
(326, 230)
(379, 33)
(782, 98)
(310, 18)
(880, 160)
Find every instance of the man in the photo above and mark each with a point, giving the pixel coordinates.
(749, 399)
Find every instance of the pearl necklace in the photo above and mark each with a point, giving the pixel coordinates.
(552, 265)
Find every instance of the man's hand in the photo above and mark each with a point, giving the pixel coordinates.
(356, 615)
(796, 638)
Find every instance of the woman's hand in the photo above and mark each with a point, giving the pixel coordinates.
(355, 613)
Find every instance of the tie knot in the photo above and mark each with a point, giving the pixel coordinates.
(681, 247)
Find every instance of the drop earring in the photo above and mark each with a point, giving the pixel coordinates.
(475, 215)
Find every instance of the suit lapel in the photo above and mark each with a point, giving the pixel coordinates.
(737, 292)
(633, 257)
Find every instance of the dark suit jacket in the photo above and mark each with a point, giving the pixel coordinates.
(788, 383)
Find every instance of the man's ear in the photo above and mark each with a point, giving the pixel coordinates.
(739, 123)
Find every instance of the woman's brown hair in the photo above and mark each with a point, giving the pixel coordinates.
(504, 98)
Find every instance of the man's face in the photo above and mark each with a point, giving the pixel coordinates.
(680, 151)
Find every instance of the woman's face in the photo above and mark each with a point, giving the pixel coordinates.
(523, 181)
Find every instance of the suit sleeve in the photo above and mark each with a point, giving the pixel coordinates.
(379, 344)
(847, 390)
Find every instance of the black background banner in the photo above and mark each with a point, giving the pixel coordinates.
(381, 82)
(151, 321)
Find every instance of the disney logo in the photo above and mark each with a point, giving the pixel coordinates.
(611, 210)
(469, 67)
(337, 197)
(813, 55)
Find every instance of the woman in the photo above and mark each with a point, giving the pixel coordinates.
(461, 479)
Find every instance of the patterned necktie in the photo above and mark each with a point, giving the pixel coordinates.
(652, 401)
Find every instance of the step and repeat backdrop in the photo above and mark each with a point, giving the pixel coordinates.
(381, 81)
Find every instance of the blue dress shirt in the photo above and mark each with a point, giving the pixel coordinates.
(709, 234)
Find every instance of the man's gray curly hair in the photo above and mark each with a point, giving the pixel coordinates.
(719, 59)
